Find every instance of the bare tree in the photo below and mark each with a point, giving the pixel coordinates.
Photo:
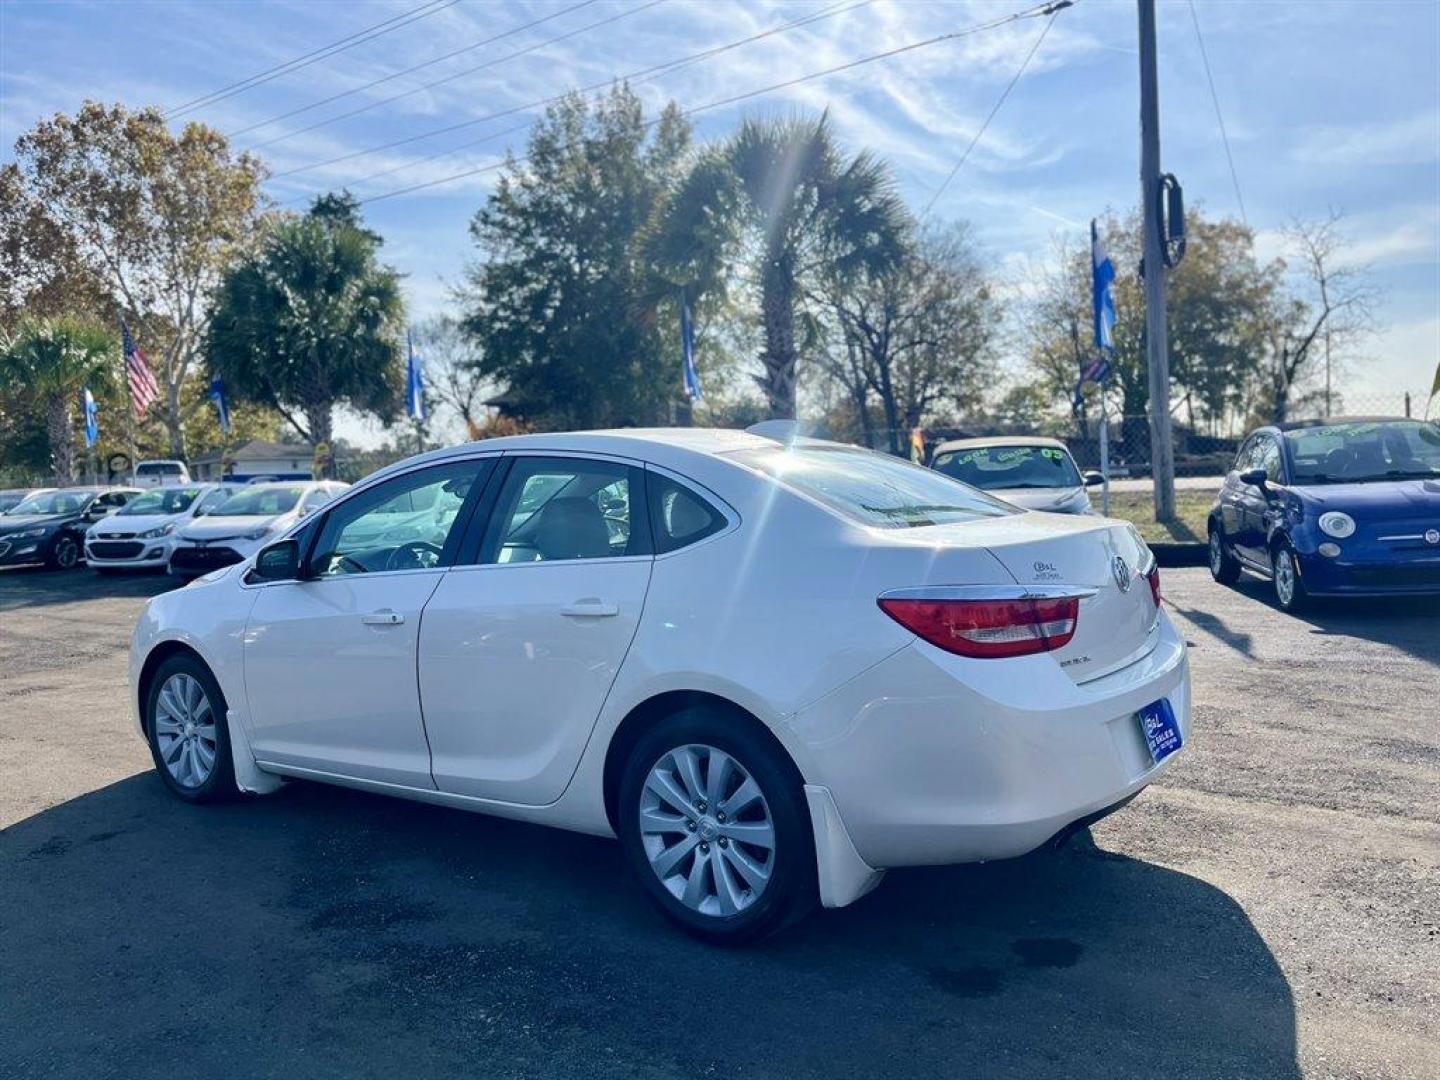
(1334, 308)
(917, 336)
(452, 371)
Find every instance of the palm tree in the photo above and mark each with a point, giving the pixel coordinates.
(311, 319)
(782, 196)
(50, 362)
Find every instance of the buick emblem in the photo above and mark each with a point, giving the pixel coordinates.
(1432, 536)
(1121, 569)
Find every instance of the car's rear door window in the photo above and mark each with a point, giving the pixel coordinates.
(553, 508)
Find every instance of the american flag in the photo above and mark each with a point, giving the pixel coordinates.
(143, 387)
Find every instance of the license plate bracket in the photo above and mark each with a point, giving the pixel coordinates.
(1159, 729)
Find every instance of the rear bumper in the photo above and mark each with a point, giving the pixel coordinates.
(933, 758)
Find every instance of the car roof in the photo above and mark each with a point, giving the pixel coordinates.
(1332, 421)
(659, 445)
(981, 442)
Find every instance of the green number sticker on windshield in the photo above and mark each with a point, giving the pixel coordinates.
(1053, 454)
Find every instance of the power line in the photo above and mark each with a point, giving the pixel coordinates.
(395, 22)
(1219, 116)
(635, 76)
(749, 94)
(1052, 10)
(399, 74)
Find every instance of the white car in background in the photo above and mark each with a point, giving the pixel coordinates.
(772, 669)
(160, 472)
(245, 522)
(140, 535)
(1030, 471)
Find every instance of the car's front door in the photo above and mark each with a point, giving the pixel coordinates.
(330, 659)
(1256, 502)
(519, 648)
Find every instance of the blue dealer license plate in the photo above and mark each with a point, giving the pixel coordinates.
(1162, 733)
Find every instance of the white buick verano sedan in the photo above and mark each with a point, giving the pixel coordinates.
(772, 669)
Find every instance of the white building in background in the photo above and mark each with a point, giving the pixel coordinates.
(257, 459)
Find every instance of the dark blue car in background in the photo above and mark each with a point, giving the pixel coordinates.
(1349, 506)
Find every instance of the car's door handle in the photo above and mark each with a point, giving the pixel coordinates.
(383, 617)
(591, 608)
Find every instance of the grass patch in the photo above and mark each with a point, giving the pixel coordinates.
(1138, 507)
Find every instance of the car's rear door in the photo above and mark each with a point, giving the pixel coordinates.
(330, 660)
(522, 641)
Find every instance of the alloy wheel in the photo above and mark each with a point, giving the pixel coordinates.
(1284, 578)
(67, 553)
(185, 730)
(707, 830)
(1217, 554)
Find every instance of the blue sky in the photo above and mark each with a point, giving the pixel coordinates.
(1327, 104)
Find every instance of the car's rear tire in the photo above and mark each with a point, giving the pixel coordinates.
(64, 553)
(1290, 593)
(1224, 567)
(186, 728)
(713, 820)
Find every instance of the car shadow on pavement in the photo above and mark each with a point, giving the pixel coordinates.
(1403, 622)
(31, 586)
(339, 934)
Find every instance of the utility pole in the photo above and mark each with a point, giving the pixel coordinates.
(1162, 451)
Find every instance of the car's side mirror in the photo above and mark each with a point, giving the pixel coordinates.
(278, 562)
(1093, 479)
(1254, 477)
(98, 513)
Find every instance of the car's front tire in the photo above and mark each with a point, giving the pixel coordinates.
(186, 728)
(1224, 567)
(1290, 592)
(713, 821)
(64, 553)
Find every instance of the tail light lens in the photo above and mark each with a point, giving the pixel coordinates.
(988, 628)
(1154, 578)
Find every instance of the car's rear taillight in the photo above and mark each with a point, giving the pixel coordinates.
(1154, 578)
(987, 627)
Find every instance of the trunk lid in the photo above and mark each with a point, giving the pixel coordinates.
(1116, 625)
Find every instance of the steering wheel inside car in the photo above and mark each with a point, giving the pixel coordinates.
(416, 555)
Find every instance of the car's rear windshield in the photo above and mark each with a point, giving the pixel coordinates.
(1004, 468)
(873, 489)
(175, 500)
(1363, 451)
(260, 501)
(158, 468)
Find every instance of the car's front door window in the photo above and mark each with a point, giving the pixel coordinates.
(407, 523)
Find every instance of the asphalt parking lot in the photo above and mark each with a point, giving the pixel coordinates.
(1271, 908)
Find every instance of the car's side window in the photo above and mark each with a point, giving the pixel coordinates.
(678, 516)
(1268, 458)
(552, 508)
(410, 522)
(1244, 458)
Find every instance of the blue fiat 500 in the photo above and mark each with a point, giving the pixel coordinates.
(1333, 507)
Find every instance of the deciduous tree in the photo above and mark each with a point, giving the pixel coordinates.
(109, 212)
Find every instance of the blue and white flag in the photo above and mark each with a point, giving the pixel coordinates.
(414, 382)
(687, 349)
(1102, 293)
(222, 407)
(92, 418)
